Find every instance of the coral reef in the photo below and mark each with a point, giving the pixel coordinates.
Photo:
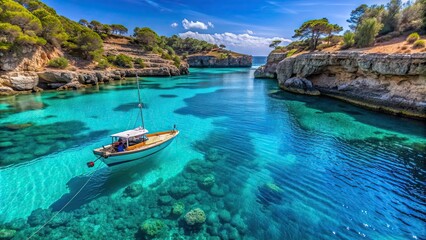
(152, 227)
(147, 213)
(195, 216)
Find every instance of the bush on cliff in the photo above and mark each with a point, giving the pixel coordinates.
(348, 40)
(122, 60)
(176, 61)
(18, 26)
(59, 62)
(140, 63)
(187, 45)
(146, 37)
(291, 53)
(419, 43)
(103, 64)
(366, 32)
(32, 22)
(413, 37)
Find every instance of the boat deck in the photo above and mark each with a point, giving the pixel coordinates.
(154, 139)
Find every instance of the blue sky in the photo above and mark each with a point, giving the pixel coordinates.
(246, 26)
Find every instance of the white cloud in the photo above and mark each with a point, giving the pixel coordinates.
(173, 25)
(197, 24)
(245, 43)
(249, 32)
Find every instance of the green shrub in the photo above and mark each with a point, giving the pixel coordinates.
(111, 58)
(176, 61)
(291, 52)
(103, 64)
(322, 46)
(185, 55)
(413, 37)
(4, 46)
(140, 62)
(123, 61)
(59, 62)
(223, 56)
(348, 39)
(419, 43)
(366, 32)
(167, 56)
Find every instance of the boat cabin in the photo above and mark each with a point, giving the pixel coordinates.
(130, 137)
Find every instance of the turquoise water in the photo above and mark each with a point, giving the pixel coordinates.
(261, 163)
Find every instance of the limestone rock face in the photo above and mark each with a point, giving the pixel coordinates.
(29, 58)
(269, 70)
(299, 85)
(393, 83)
(57, 77)
(19, 81)
(200, 61)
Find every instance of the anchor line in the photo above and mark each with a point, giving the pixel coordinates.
(60, 210)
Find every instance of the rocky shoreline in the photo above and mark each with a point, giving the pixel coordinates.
(209, 61)
(27, 82)
(392, 83)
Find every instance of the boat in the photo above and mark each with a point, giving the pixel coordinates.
(134, 144)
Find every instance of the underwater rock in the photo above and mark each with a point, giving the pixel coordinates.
(14, 127)
(212, 230)
(207, 181)
(195, 217)
(7, 234)
(239, 223)
(39, 217)
(180, 192)
(214, 155)
(217, 191)
(178, 208)
(61, 219)
(17, 224)
(212, 219)
(133, 190)
(156, 183)
(152, 227)
(164, 200)
(270, 193)
(198, 166)
(233, 234)
(225, 216)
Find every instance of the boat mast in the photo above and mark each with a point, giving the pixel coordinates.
(140, 102)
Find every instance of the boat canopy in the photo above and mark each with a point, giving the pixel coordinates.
(131, 133)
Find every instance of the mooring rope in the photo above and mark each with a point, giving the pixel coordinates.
(84, 185)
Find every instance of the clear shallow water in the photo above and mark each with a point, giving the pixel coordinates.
(284, 166)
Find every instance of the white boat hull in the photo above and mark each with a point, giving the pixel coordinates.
(125, 157)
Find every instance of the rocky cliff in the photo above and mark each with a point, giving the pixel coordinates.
(270, 69)
(28, 81)
(24, 71)
(212, 61)
(394, 83)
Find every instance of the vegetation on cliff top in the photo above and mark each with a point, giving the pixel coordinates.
(368, 25)
(26, 23)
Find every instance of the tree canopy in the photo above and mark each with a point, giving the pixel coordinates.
(275, 43)
(314, 29)
(146, 37)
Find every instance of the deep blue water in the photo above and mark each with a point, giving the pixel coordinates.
(284, 166)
